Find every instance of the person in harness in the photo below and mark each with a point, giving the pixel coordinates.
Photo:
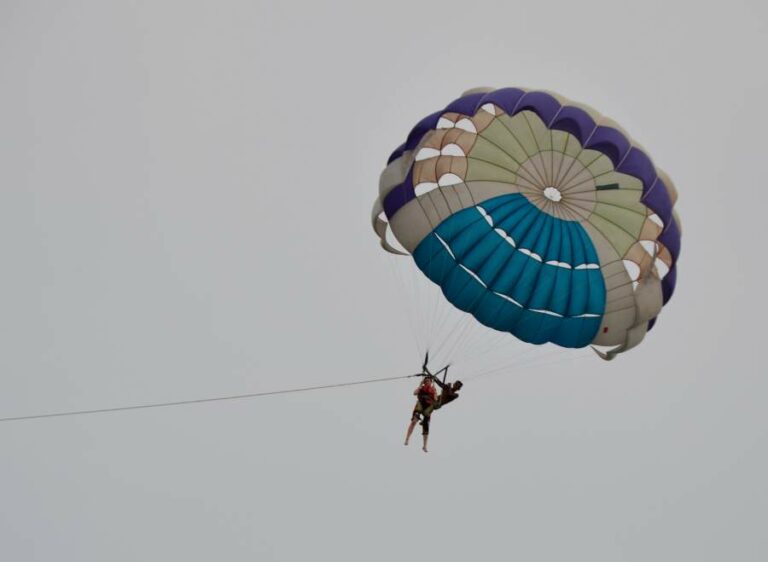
(450, 392)
(426, 396)
(427, 401)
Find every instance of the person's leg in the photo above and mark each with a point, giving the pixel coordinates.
(414, 419)
(425, 431)
(410, 430)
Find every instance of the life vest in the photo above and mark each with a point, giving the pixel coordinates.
(427, 394)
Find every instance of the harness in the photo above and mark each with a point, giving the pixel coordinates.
(425, 372)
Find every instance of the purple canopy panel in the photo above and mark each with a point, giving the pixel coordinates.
(671, 238)
(574, 121)
(399, 196)
(668, 283)
(657, 199)
(467, 105)
(416, 134)
(636, 163)
(397, 153)
(610, 142)
(541, 103)
(505, 98)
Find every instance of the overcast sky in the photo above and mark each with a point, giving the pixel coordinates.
(185, 190)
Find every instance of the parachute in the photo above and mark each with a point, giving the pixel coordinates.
(537, 216)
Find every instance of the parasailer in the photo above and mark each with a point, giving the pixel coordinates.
(426, 395)
(427, 400)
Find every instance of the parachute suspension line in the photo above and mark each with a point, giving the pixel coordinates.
(431, 313)
(428, 302)
(445, 313)
(445, 316)
(458, 342)
(556, 361)
(462, 331)
(498, 341)
(482, 340)
(395, 268)
(203, 400)
(431, 317)
(465, 343)
(537, 362)
(554, 357)
(498, 346)
(476, 332)
(439, 312)
(483, 364)
(463, 325)
(421, 297)
(455, 335)
(506, 366)
(421, 304)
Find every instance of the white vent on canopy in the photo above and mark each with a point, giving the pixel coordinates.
(633, 270)
(549, 312)
(553, 194)
(424, 187)
(473, 274)
(426, 153)
(449, 179)
(489, 108)
(649, 246)
(488, 218)
(445, 245)
(452, 150)
(505, 236)
(661, 268)
(466, 125)
(531, 254)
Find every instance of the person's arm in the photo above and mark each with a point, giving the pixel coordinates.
(441, 384)
(436, 377)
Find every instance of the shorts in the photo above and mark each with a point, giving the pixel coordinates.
(423, 412)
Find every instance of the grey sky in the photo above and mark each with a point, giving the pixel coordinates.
(185, 191)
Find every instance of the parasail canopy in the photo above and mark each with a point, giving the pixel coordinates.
(537, 216)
